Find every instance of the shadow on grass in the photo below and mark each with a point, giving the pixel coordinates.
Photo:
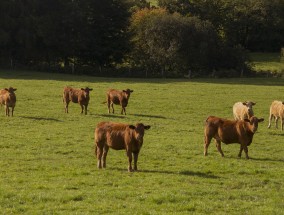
(150, 116)
(112, 116)
(188, 173)
(41, 118)
(276, 134)
(267, 159)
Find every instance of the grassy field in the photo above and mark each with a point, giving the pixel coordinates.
(268, 62)
(47, 164)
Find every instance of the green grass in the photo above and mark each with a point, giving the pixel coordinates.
(268, 62)
(47, 164)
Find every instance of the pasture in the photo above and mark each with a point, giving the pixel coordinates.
(47, 165)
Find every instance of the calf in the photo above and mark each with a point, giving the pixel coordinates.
(8, 98)
(243, 110)
(119, 98)
(119, 136)
(276, 112)
(230, 131)
(80, 96)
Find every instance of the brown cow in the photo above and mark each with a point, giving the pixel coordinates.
(119, 98)
(119, 136)
(230, 131)
(80, 96)
(243, 110)
(8, 98)
(276, 112)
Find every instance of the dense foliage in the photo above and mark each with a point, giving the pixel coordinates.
(98, 37)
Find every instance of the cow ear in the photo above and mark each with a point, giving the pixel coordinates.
(131, 91)
(244, 103)
(132, 127)
(260, 120)
(246, 120)
(90, 89)
(14, 89)
(253, 103)
(146, 127)
(83, 89)
(283, 103)
(124, 91)
(6, 89)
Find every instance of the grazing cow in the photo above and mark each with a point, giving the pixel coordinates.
(80, 96)
(119, 136)
(243, 110)
(8, 98)
(119, 98)
(276, 112)
(230, 131)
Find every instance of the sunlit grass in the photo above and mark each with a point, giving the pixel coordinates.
(47, 164)
(268, 62)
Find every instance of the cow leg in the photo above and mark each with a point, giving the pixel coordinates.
(276, 121)
(135, 155)
(218, 145)
(82, 108)
(207, 141)
(270, 118)
(281, 124)
(7, 110)
(12, 111)
(108, 105)
(99, 157)
(123, 110)
(105, 151)
(86, 106)
(129, 155)
(66, 106)
(112, 107)
(241, 150)
(246, 150)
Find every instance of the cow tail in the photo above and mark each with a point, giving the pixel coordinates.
(206, 121)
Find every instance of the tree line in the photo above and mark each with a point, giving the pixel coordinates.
(133, 38)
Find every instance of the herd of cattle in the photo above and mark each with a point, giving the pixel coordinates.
(120, 136)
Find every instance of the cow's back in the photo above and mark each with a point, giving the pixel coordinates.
(227, 131)
(277, 108)
(111, 134)
(239, 110)
(114, 96)
(3, 94)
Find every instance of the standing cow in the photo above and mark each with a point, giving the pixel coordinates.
(119, 98)
(80, 96)
(243, 110)
(230, 131)
(119, 136)
(8, 98)
(276, 112)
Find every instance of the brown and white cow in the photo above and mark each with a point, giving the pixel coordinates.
(8, 98)
(119, 136)
(276, 112)
(243, 110)
(230, 131)
(119, 98)
(80, 96)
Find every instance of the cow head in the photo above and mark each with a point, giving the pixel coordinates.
(11, 90)
(249, 105)
(253, 123)
(127, 93)
(87, 90)
(139, 129)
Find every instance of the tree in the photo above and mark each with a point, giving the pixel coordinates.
(172, 43)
